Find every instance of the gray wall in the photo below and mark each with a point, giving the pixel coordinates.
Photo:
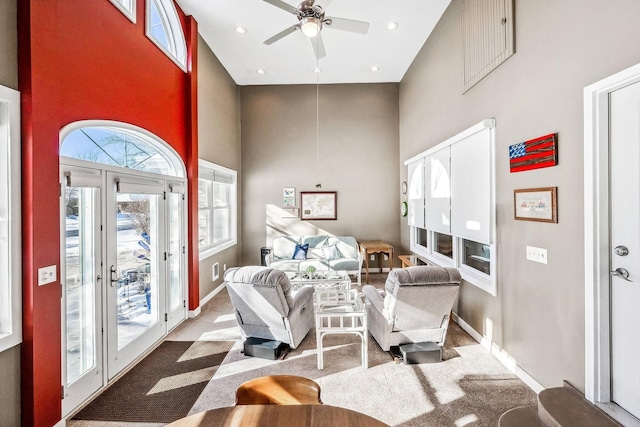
(358, 158)
(9, 359)
(8, 44)
(561, 47)
(219, 141)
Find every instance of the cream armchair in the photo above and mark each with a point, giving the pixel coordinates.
(414, 307)
(264, 306)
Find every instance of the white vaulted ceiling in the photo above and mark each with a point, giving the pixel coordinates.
(291, 60)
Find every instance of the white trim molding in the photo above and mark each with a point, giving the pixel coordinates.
(503, 357)
(596, 238)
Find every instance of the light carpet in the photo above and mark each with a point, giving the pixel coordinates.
(468, 388)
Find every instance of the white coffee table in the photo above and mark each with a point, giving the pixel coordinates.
(319, 280)
(340, 311)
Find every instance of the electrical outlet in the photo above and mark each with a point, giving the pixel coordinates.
(373, 257)
(537, 254)
(224, 267)
(47, 275)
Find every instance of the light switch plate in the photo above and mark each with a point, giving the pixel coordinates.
(537, 254)
(47, 275)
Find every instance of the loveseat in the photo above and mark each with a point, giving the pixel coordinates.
(297, 253)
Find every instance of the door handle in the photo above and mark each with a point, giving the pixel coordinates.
(113, 271)
(621, 273)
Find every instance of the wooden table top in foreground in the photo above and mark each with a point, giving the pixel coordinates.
(278, 415)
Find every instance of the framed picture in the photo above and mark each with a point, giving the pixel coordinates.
(289, 192)
(318, 205)
(288, 202)
(536, 204)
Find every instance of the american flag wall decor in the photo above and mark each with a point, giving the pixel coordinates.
(536, 153)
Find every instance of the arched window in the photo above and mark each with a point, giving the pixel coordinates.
(120, 144)
(128, 7)
(165, 30)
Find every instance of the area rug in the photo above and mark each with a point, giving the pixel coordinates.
(163, 386)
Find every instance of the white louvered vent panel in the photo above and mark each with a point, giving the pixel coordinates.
(487, 37)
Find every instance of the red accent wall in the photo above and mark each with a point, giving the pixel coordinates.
(81, 60)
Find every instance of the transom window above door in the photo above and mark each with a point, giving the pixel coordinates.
(119, 146)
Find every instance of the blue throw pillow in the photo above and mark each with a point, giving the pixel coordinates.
(301, 251)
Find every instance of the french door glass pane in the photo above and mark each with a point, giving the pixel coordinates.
(137, 260)
(79, 282)
(175, 251)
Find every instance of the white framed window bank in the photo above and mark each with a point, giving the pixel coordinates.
(451, 199)
(217, 208)
(10, 233)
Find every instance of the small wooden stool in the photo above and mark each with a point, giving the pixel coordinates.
(279, 390)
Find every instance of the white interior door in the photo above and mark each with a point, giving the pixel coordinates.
(136, 295)
(625, 247)
(82, 282)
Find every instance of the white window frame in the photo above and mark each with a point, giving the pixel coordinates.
(177, 49)
(206, 172)
(486, 282)
(10, 225)
(129, 12)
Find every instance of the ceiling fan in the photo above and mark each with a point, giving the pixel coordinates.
(311, 20)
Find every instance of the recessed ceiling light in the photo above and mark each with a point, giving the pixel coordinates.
(260, 71)
(392, 25)
(375, 68)
(317, 70)
(240, 30)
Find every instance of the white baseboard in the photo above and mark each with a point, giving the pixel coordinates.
(203, 301)
(505, 358)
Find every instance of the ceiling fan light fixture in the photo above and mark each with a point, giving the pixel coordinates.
(310, 26)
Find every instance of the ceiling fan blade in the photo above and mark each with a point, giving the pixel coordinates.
(342, 24)
(318, 46)
(281, 34)
(282, 5)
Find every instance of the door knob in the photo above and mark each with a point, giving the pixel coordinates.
(621, 273)
(621, 250)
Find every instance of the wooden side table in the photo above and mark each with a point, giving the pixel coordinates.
(411, 260)
(370, 247)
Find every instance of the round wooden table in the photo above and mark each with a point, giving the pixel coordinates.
(278, 415)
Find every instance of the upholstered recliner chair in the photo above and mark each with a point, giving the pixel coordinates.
(264, 306)
(414, 307)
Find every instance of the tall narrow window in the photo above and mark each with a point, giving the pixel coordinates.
(128, 7)
(165, 30)
(216, 208)
(10, 268)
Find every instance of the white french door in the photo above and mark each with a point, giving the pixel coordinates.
(82, 367)
(625, 246)
(176, 255)
(123, 272)
(135, 261)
